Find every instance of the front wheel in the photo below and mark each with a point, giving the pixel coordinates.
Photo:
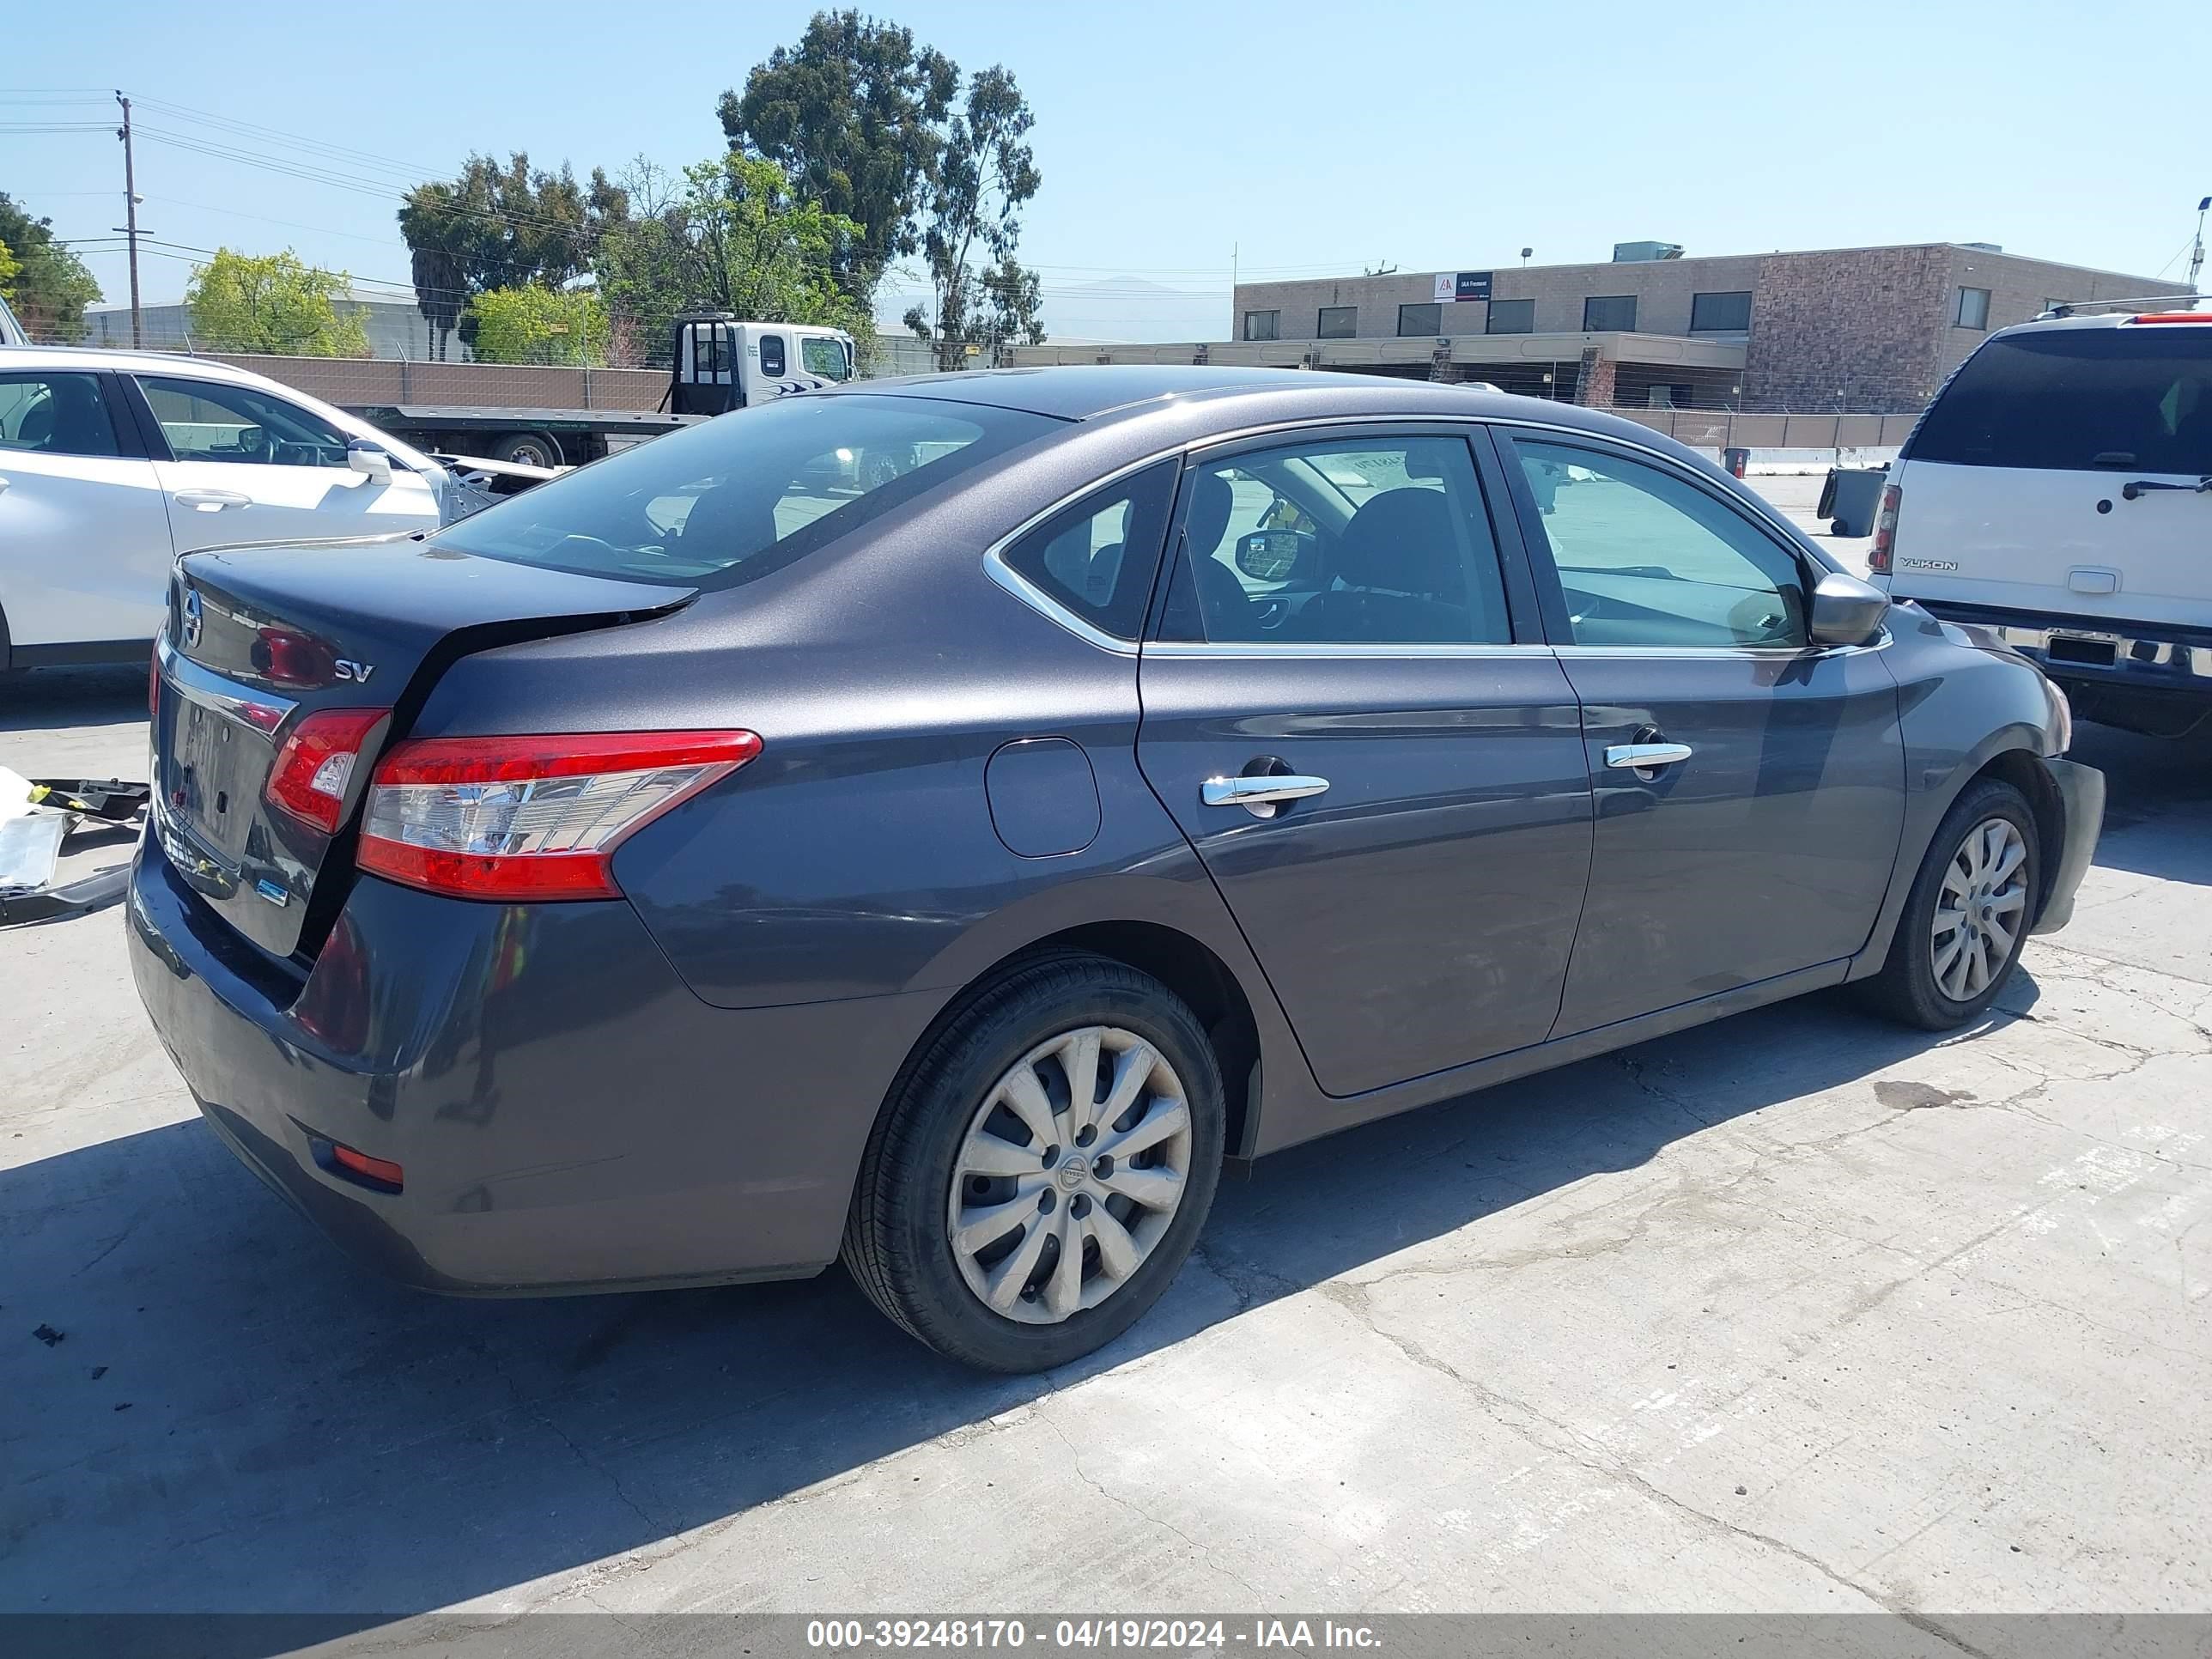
(1042, 1169)
(1966, 919)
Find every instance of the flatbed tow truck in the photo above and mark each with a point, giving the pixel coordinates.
(718, 364)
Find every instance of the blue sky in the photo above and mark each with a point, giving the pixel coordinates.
(1312, 138)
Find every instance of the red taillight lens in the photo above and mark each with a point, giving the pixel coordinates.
(380, 1170)
(154, 681)
(316, 762)
(532, 818)
(1885, 530)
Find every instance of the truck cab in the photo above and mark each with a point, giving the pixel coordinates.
(721, 363)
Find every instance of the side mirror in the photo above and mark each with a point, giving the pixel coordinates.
(1847, 611)
(1276, 555)
(370, 459)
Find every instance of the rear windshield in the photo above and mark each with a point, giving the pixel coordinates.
(745, 493)
(2134, 398)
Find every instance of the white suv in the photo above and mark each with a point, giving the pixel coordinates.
(113, 464)
(2059, 490)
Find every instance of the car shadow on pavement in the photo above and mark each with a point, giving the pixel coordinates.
(213, 1411)
(36, 699)
(2157, 808)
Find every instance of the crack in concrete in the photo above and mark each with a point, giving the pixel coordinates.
(1204, 1552)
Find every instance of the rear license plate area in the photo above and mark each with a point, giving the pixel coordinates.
(212, 768)
(2084, 650)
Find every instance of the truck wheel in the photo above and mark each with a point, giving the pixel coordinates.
(1968, 917)
(527, 449)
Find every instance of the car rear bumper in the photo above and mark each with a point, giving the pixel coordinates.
(2082, 798)
(568, 1116)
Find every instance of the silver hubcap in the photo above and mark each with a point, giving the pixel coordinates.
(1978, 912)
(1072, 1170)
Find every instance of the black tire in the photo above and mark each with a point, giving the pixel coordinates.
(1839, 527)
(1906, 989)
(527, 449)
(896, 1243)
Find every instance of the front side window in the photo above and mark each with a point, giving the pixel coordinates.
(1648, 558)
(1425, 319)
(206, 421)
(1262, 325)
(746, 493)
(1382, 541)
(1615, 312)
(1098, 557)
(771, 355)
(2118, 398)
(825, 358)
(1512, 317)
(1973, 308)
(1721, 313)
(1338, 322)
(47, 413)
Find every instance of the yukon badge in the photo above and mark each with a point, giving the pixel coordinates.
(358, 672)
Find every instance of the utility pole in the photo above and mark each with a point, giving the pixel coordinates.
(130, 223)
(2197, 253)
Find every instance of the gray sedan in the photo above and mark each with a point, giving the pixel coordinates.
(715, 863)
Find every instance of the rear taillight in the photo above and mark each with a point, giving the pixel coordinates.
(315, 763)
(532, 818)
(1885, 530)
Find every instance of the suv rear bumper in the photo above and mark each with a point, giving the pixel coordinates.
(568, 1115)
(2096, 656)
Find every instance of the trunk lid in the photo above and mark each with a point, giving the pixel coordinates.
(260, 638)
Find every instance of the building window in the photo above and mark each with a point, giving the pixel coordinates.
(1512, 317)
(1263, 324)
(1720, 314)
(1609, 311)
(1337, 323)
(1421, 319)
(1973, 308)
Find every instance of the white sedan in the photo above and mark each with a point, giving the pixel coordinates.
(113, 464)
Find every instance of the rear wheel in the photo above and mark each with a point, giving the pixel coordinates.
(1966, 919)
(527, 449)
(1042, 1169)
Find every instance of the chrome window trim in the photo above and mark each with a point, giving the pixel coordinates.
(1231, 648)
(996, 567)
(1725, 653)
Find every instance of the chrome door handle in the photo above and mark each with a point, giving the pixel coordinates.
(1260, 796)
(1645, 756)
(211, 500)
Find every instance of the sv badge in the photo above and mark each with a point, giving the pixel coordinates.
(358, 672)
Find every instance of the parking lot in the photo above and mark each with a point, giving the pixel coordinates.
(1798, 1313)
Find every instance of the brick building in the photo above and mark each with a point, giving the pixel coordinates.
(1862, 329)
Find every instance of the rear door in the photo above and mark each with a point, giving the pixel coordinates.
(2015, 486)
(84, 537)
(1765, 845)
(1371, 749)
(246, 465)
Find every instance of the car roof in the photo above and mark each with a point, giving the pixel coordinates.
(2112, 319)
(96, 358)
(1084, 391)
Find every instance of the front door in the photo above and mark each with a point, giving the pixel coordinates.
(246, 465)
(1749, 786)
(1382, 775)
(84, 537)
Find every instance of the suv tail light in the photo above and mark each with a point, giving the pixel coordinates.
(315, 763)
(532, 818)
(1885, 530)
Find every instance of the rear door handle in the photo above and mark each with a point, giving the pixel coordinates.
(1262, 795)
(211, 500)
(1646, 756)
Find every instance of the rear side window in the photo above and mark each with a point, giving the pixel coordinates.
(55, 414)
(1098, 557)
(745, 493)
(2129, 398)
(771, 354)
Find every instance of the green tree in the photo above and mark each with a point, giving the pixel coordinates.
(51, 286)
(729, 236)
(495, 227)
(986, 175)
(273, 303)
(10, 267)
(853, 114)
(534, 323)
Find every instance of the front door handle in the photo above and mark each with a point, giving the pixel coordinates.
(1260, 796)
(1646, 756)
(211, 500)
